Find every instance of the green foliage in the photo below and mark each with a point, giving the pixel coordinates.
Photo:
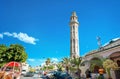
(31, 69)
(73, 69)
(3, 49)
(14, 52)
(100, 77)
(96, 62)
(72, 64)
(50, 67)
(76, 61)
(48, 61)
(59, 66)
(108, 65)
(44, 68)
(66, 63)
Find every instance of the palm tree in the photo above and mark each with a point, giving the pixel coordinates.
(75, 62)
(66, 62)
(48, 61)
(59, 66)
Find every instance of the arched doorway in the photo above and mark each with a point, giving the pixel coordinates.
(95, 64)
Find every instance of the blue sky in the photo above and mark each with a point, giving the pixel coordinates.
(42, 26)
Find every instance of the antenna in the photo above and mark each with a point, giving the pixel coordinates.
(99, 42)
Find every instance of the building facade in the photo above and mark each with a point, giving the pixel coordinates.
(74, 39)
(110, 50)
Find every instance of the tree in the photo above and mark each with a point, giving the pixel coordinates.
(108, 65)
(66, 62)
(48, 61)
(3, 49)
(76, 62)
(15, 52)
(59, 66)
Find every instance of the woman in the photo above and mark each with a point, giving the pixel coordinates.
(88, 74)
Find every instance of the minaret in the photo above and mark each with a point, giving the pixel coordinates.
(74, 39)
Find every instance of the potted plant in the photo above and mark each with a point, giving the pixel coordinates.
(108, 65)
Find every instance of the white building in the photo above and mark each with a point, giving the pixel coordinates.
(25, 67)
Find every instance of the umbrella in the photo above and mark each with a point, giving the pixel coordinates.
(13, 64)
(13, 69)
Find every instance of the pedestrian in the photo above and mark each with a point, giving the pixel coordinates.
(101, 72)
(88, 74)
(78, 74)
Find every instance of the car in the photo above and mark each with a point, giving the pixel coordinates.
(28, 74)
(65, 75)
(51, 73)
(23, 72)
(37, 71)
(62, 75)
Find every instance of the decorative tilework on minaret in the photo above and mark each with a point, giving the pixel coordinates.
(74, 39)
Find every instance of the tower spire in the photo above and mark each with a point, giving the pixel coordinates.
(74, 18)
(74, 13)
(74, 39)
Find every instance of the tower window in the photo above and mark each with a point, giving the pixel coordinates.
(74, 44)
(73, 27)
(73, 18)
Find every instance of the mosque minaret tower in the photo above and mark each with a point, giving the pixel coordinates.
(74, 37)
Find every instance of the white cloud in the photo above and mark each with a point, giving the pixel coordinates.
(7, 33)
(31, 60)
(15, 35)
(54, 59)
(1, 35)
(21, 36)
(24, 37)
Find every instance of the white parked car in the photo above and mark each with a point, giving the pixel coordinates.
(23, 72)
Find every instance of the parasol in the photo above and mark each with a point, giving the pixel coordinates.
(13, 64)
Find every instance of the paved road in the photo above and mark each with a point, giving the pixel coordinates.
(30, 78)
(36, 76)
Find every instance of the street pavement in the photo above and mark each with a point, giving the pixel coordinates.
(36, 76)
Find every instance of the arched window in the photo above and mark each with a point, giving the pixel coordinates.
(74, 44)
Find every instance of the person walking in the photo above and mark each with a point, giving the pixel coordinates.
(101, 72)
(78, 74)
(88, 74)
